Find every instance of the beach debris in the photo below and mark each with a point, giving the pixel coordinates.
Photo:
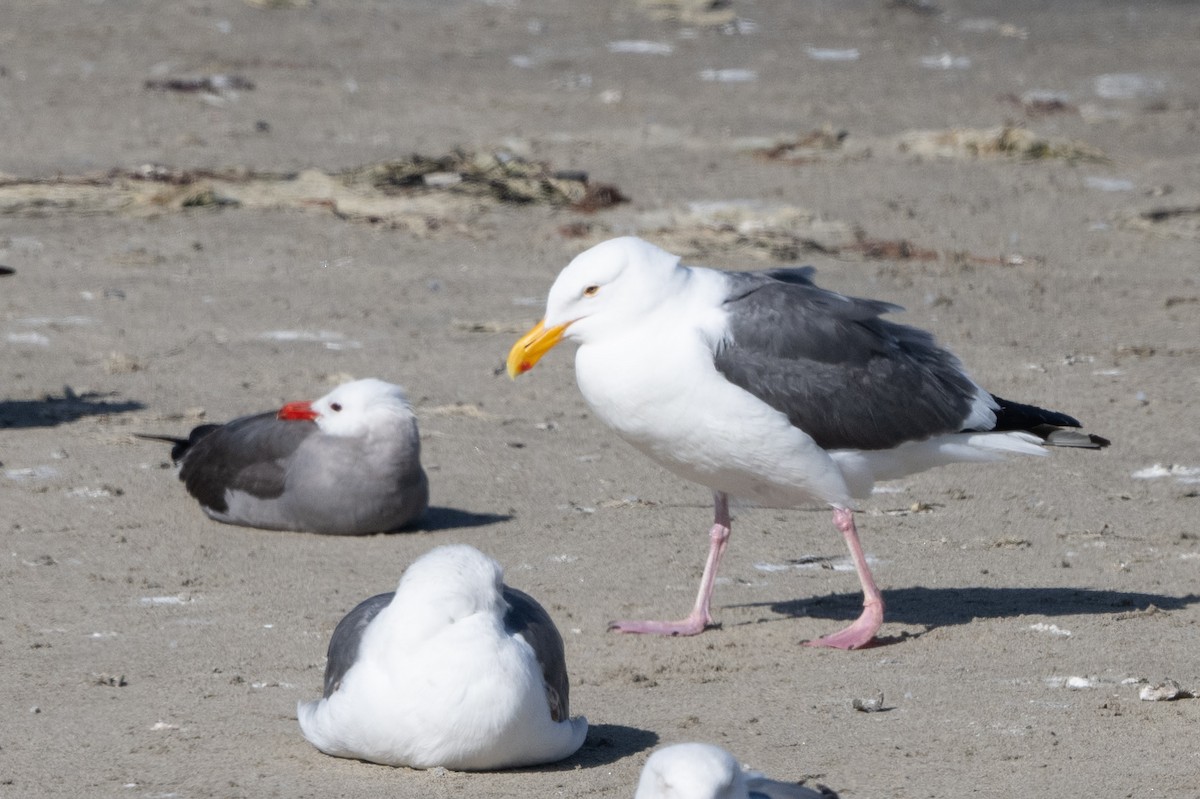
(1182, 474)
(729, 75)
(1053, 629)
(1127, 86)
(641, 47)
(768, 232)
(808, 148)
(1007, 141)
(832, 53)
(421, 193)
(212, 84)
(1073, 683)
(1101, 183)
(872, 704)
(989, 25)
(890, 249)
(1180, 221)
(946, 61)
(109, 680)
(330, 339)
(700, 13)
(1041, 103)
(1166, 691)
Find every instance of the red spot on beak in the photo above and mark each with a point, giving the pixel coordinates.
(297, 411)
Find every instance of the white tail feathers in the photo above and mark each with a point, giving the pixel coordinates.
(863, 468)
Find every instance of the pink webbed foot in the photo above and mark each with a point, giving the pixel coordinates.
(692, 625)
(700, 618)
(859, 634)
(862, 631)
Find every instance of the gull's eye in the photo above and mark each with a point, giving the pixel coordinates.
(335, 406)
(591, 291)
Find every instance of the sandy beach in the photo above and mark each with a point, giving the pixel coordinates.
(212, 208)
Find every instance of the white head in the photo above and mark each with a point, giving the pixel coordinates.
(615, 280)
(692, 771)
(452, 582)
(606, 287)
(353, 409)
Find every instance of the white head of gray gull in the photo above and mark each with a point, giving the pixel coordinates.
(704, 771)
(348, 463)
(763, 386)
(453, 669)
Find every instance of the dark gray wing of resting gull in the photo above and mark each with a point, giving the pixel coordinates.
(248, 454)
(803, 350)
(346, 638)
(525, 617)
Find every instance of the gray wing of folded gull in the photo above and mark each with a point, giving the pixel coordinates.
(531, 621)
(840, 373)
(248, 454)
(346, 638)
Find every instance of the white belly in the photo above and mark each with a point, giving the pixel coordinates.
(669, 401)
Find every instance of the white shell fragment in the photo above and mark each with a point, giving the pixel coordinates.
(1165, 691)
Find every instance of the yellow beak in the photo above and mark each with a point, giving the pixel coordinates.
(530, 348)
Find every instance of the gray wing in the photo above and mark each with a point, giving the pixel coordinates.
(840, 373)
(529, 619)
(346, 638)
(248, 454)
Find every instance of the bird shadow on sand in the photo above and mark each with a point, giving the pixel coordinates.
(940, 607)
(440, 518)
(51, 411)
(605, 744)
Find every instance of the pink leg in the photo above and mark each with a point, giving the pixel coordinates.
(863, 630)
(699, 618)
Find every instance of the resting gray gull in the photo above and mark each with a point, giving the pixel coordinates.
(761, 385)
(453, 669)
(703, 771)
(346, 464)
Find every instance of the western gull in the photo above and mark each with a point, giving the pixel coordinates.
(348, 463)
(761, 385)
(703, 771)
(453, 669)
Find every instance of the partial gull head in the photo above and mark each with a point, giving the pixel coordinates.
(703, 771)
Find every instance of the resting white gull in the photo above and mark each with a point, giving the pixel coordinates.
(703, 771)
(346, 464)
(453, 669)
(763, 386)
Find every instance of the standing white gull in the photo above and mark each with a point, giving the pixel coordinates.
(703, 771)
(346, 464)
(763, 386)
(453, 669)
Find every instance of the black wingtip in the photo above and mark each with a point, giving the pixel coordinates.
(1046, 424)
(180, 446)
(1019, 416)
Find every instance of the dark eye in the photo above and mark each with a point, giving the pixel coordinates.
(591, 291)
(335, 406)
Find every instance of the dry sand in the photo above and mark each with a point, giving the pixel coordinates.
(1046, 230)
